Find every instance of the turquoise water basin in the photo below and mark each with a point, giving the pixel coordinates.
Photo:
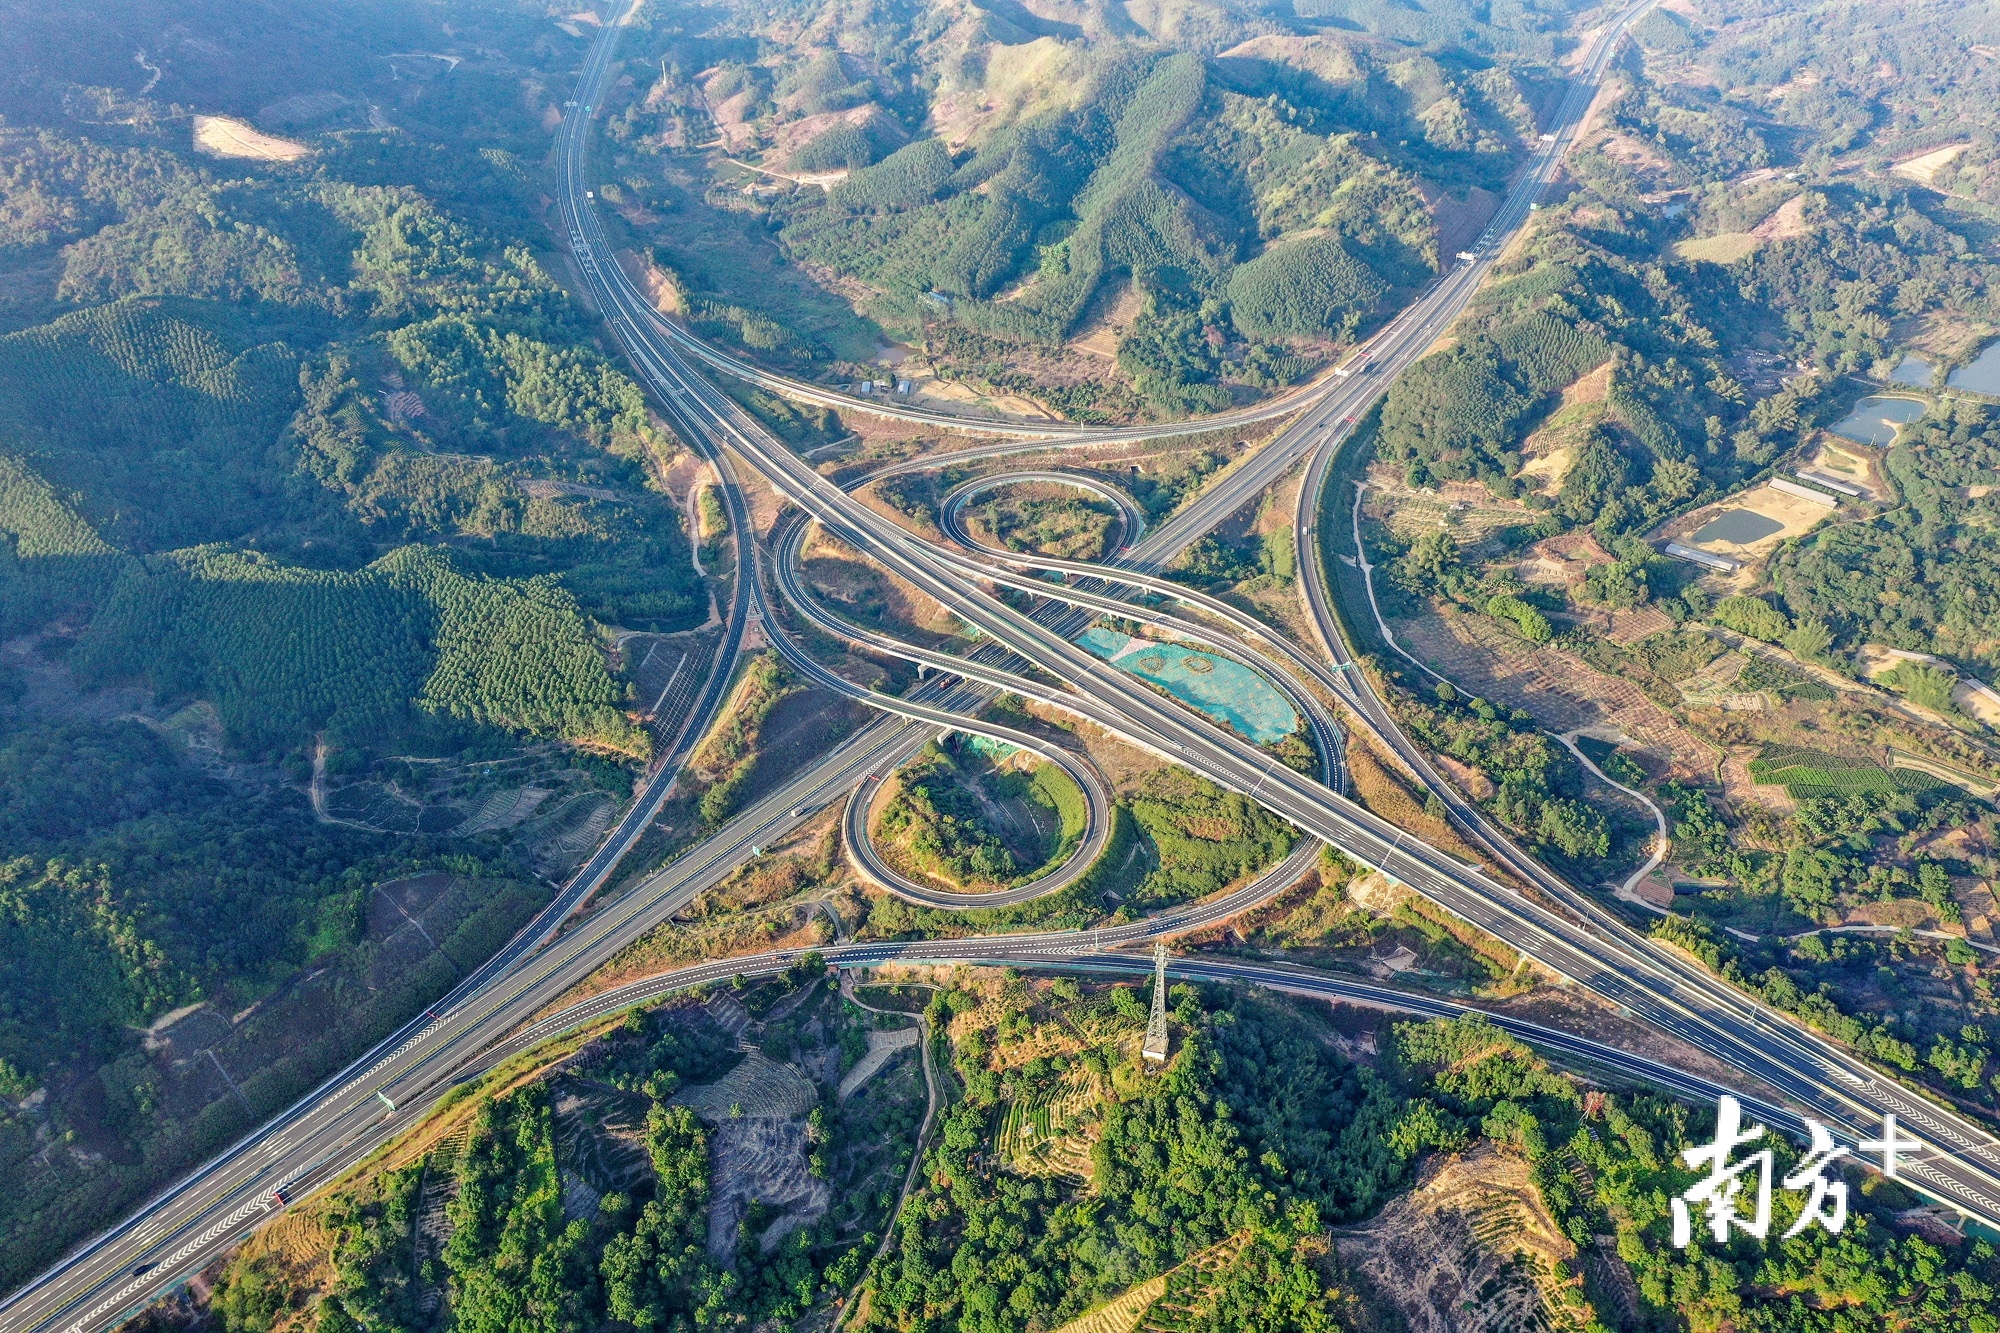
(1224, 689)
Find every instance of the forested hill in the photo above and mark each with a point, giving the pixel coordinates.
(1208, 199)
(322, 516)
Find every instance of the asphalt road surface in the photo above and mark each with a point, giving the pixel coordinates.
(508, 1003)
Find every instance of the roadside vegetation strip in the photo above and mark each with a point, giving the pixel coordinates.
(1052, 433)
(1079, 951)
(1662, 840)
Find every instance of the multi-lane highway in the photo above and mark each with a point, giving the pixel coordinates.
(1597, 953)
(509, 1004)
(1066, 952)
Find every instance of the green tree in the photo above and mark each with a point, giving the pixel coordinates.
(1430, 563)
(659, 1275)
(1534, 626)
(1597, 476)
(1809, 639)
(1573, 828)
(1752, 616)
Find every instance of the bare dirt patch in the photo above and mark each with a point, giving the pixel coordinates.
(1572, 1010)
(1470, 1250)
(1384, 791)
(1320, 53)
(1593, 387)
(225, 136)
(1561, 560)
(1466, 510)
(1947, 336)
(1924, 168)
(874, 597)
(1111, 313)
(1018, 82)
(796, 134)
(1787, 221)
(1459, 220)
(1848, 462)
(1903, 913)
(1636, 152)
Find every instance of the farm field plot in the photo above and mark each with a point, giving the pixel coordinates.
(1047, 1132)
(1176, 1299)
(1562, 692)
(1805, 773)
(1468, 513)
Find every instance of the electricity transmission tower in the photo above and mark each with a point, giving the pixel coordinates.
(1156, 1028)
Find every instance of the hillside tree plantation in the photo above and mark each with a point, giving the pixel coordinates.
(1229, 195)
(313, 480)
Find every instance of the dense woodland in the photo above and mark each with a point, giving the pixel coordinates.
(303, 466)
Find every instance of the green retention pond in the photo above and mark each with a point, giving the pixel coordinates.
(1739, 527)
(1226, 690)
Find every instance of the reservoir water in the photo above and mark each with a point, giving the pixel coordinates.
(1874, 420)
(1981, 375)
(1739, 527)
(1915, 372)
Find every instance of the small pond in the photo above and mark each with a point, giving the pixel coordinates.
(1982, 375)
(1226, 690)
(1739, 527)
(1915, 372)
(1874, 420)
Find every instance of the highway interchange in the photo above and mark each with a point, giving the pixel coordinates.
(510, 1003)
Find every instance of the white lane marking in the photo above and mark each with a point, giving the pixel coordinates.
(132, 1286)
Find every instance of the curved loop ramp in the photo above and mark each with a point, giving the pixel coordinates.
(1131, 518)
